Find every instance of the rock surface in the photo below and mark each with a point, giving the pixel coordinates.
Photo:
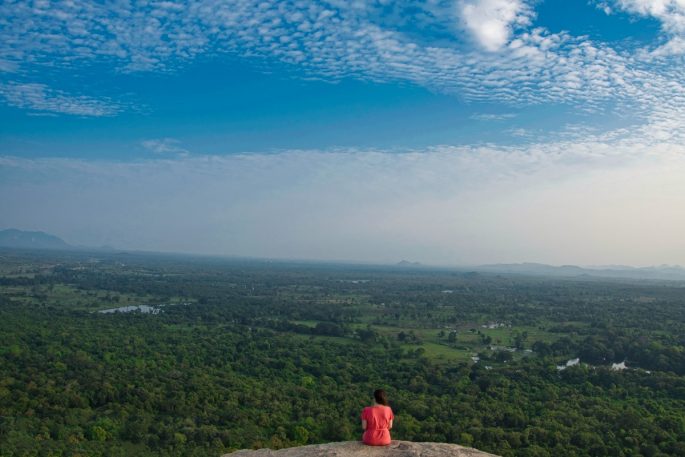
(357, 449)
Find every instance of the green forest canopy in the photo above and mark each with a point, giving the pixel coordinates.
(250, 354)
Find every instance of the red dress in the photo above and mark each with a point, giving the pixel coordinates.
(377, 425)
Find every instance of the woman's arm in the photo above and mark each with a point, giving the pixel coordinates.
(363, 424)
(390, 425)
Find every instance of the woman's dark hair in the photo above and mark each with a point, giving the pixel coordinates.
(380, 397)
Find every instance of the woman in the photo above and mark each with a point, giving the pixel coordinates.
(377, 421)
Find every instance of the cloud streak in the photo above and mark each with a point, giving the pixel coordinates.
(493, 116)
(164, 146)
(41, 98)
(604, 198)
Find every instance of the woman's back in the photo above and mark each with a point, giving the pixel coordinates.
(378, 422)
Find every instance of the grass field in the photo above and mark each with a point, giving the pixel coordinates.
(67, 296)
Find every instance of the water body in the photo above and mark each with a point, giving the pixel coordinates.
(145, 309)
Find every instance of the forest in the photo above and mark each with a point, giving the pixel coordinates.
(200, 356)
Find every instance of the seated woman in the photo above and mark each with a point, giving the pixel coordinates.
(377, 421)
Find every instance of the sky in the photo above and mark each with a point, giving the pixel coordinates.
(449, 132)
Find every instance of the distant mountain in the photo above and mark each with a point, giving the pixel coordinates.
(13, 238)
(667, 272)
(407, 263)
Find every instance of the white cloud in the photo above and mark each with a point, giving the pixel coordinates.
(41, 98)
(674, 46)
(520, 132)
(491, 22)
(492, 116)
(671, 14)
(7, 66)
(164, 146)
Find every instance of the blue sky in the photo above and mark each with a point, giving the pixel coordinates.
(364, 130)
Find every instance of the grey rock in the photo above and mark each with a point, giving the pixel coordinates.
(357, 449)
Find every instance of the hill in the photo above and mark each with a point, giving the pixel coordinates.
(19, 239)
(407, 263)
(357, 449)
(660, 272)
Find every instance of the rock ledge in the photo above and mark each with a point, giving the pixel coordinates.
(357, 449)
